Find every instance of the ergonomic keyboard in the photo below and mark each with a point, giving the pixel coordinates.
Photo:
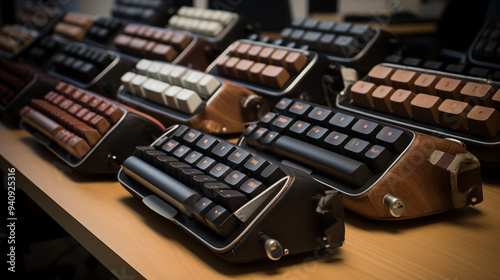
(385, 172)
(275, 71)
(89, 67)
(175, 94)
(102, 32)
(447, 105)
(485, 50)
(14, 39)
(39, 53)
(239, 204)
(87, 131)
(358, 46)
(150, 12)
(73, 26)
(141, 41)
(20, 83)
(221, 27)
(39, 17)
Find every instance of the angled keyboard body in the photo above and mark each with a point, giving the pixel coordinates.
(358, 46)
(236, 203)
(175, 94)
(20, 83)
(385, 172)
(446, 105)
(220, 27)
(273, 71)
(141, 41)
(87, 131)
(89, 67)
(150, 12)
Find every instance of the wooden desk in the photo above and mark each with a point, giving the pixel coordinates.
(133, 242)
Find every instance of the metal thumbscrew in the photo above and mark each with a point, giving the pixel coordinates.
(396, 205)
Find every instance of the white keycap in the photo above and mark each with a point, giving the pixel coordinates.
(191, 80)
(154, 90)
(154, 69)
(198, 13)
(215, 15)
(183, 10)
(176, 75)
(225, 18)
(170, 96)
(208, 85)
(213, 28)
(165, 73)
(126, 79)
(206, 14)
(188, 101)
(174, 21)
(189, 12)
(137, 82)
(142, 66)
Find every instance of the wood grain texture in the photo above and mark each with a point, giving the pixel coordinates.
(134, 243)
(197, 54)
(424, 188)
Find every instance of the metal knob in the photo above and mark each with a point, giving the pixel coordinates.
(396, 205)
(273, 247)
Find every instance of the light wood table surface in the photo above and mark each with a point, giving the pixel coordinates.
(135, 243)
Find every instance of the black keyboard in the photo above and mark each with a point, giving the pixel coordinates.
(237, 203)
(276, 71)
(443, 104)
(380, 168)
(485, 50)
(358, 46)
(20, 83)
(102, 32)
(175, 94)
(150, 12)
(139, 41)
(89, 67)
(221, 27)
(39, 54)
(86, 130)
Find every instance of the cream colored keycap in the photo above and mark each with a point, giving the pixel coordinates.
(165, 73)
(142, 66)
(154, 90)
(208, 85)
(137, 82)
(154, 69)
(170, 96)
(126, 80)
(177, 74)
(188, 101)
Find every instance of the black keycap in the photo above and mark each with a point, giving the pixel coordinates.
(281, 123)
(255, 165)
(201, 208)
(150, 156)
(163, 161)
(319, 115)
(198, 181)
(326, 42)
(206, 143)
(286, 33)
(283, 104)
(193, 157)
(326, 26)
(235, 179)
(335, 141)
(298, 129)
(170, 146)
(192, 136)
(362, 32)
(269, 138)
(205, 164)
(396, 59)
(222, 150)
(237, 157)
(316, 134)
(259, 133)
(181, 151)
(299, 109)
(433, 65)
(219, 171)
(455, 68)
(479, 72)
(342, 27)
(141, 150)
(342, 122)
(297, 35)
(394, 139)
(160, 141)
(174, 168)
(412, 61)
(298, 22)
(210, 189)
(366, 129)
(378, 158)
(221, 221)
(345, 45)
(267, 119)
(310, 23)
(232, 200)
(356, 148)
(252, 188)
(249, 129)
(186, 176)
(179, 132)
(271, 174)
(311, 38)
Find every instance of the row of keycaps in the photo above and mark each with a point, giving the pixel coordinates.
(73, 26)
(200, 21)
(174, 86)
(449, 102)
(14, 38)
(273, 67)
(149, 42)
(75, 119)
(332, 142)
